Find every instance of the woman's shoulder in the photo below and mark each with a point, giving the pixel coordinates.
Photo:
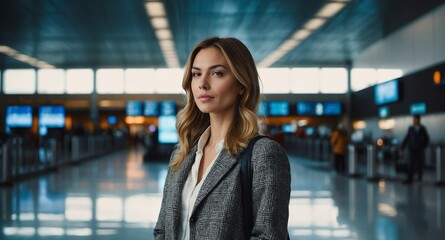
(269, 154)
(267, 146)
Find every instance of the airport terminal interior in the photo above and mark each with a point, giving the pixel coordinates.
(90, 92)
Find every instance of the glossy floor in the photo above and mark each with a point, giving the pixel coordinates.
(118, 197)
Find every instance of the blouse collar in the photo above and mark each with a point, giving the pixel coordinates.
(203, 141)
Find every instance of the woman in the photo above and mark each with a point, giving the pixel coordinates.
(202, 192)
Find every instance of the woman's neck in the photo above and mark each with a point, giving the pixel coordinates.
(219, 126)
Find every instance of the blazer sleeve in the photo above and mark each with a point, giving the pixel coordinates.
(159, 230)
(270, 190)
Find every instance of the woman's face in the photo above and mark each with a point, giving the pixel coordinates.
(214, 87)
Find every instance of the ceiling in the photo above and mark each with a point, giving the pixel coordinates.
(118, 33)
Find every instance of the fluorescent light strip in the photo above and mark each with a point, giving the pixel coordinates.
(321, 17)
(315, 23)
(24, 58)
(330, 9)
(159, 22)
(155, 9)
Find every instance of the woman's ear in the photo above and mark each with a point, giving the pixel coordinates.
(241, 91)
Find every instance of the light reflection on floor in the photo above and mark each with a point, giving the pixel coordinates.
(118, 197)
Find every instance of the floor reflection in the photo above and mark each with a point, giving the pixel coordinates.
(111, 198)
(118, 197)
(327, 206)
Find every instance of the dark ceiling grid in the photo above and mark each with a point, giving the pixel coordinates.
(261, 25)
(118, 33)
(340, 40)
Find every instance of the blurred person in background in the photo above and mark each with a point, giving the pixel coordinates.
(416, 139)
(339, 141)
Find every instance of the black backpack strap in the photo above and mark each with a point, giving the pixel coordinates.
(246, 184)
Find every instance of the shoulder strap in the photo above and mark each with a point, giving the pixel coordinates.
(246, 184)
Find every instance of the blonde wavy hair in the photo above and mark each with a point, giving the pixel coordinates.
(191, 122)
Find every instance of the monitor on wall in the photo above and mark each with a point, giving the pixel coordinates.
(417, 108)
(133, 108)
(305, 108)
(167, 129)
(384, 111)
(262, 109)
(19, 116)
(310, 108)
(386, 92)
(151, 108)
(52, 116)
(167, 108)
(332, 109)
(278, 108)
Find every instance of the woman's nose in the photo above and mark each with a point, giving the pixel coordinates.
(203, 83)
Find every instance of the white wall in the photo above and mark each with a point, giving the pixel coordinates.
(419, 45)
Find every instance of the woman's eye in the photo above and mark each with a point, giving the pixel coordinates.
(217, 73)
(194, 75)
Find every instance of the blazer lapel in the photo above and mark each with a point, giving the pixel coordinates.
(223, 164)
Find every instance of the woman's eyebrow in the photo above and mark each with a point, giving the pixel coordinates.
(211, 67)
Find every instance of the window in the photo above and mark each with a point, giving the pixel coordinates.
(21, 81)
(140, 80)
(384, 75)
(79, 81)
(362, 78)
(169, 80)
(274, 80)
(305, 80)
(110, 81)
(51, 81)
(333, 80)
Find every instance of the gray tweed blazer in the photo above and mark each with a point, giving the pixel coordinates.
(218, 213)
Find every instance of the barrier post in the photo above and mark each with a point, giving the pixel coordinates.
(440, 166)
(5, 176)
(54, 161)
(352, 161)
(371, 163)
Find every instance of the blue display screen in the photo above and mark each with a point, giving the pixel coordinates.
(167, 129)
(332, 108)
(386, 92)
(52, 116)
(309, 108)
(262, 109)
(19, 116)
(384, 112)
(134, 109)
(151, 109)
(278, 108)
(167, 108)
(417, 108)
(319, 108)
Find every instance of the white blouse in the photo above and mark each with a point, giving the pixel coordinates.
(192, 187)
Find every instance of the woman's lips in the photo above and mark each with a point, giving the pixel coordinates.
(205, 97)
